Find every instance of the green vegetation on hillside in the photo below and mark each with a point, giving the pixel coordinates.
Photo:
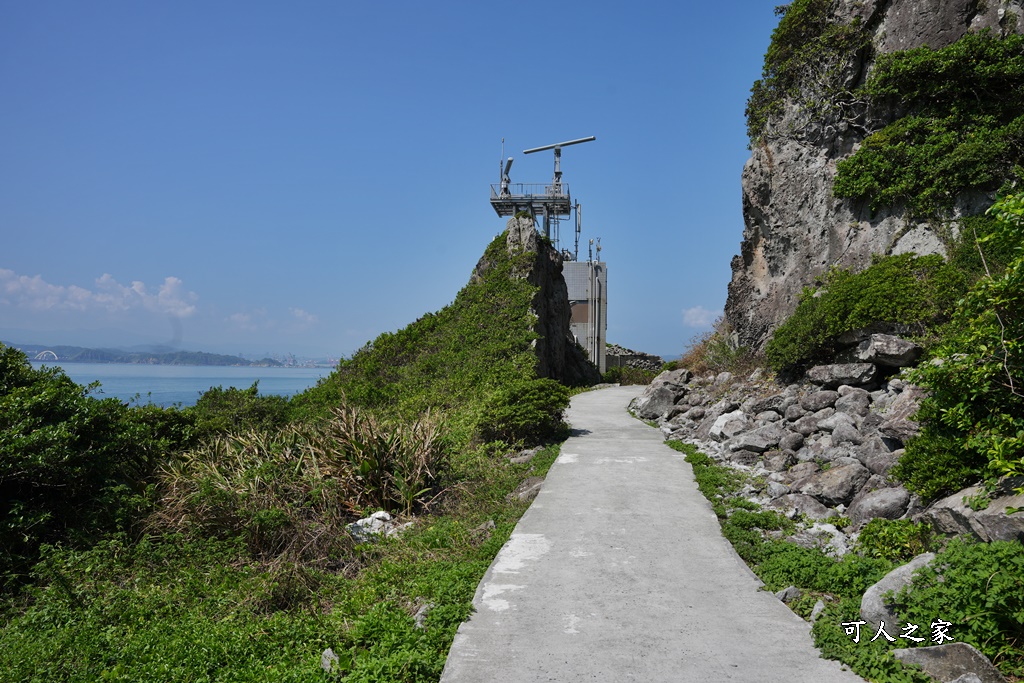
(450, 361)
(211, 543)
(905, 291)
(806, 60)
(973, 419)
(961, 128)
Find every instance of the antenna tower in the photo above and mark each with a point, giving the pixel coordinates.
(549, 202)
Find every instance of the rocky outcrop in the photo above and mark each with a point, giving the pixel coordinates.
(795, 229)
(951, 663)
(558, 355)
(814, 452)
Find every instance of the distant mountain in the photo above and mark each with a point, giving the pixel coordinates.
(165, 356)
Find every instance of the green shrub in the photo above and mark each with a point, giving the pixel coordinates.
(628, 376)
(963, 128)
(897, 541)
(72, 467)
(224, 411)
(979, 589)
(973, 419)
(908, 291)
(807, 59)
(526, 412)
(445, 361)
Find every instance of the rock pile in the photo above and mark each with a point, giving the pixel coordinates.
(822, 448)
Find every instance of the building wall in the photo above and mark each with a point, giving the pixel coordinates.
(587, 282)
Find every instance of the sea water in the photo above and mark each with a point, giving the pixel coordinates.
(168, 385)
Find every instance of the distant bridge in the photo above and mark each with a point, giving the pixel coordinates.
(46, 355)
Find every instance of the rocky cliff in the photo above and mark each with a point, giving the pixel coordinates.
(558, 355)
(795, 226)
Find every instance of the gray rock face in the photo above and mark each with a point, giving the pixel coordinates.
(801, 504)
(795, 228)
(729, 425)
(952, 515)
(831, 376)
(951, 662)
(888, 350)
(873, 608)
(888, 503)
(836, 485)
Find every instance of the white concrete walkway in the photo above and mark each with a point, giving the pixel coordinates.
(618, 572)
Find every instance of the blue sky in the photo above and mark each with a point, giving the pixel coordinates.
(300, 177)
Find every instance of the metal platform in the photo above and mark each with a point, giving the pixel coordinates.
(536, 198)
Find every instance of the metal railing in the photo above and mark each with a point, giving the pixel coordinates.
(520, 190)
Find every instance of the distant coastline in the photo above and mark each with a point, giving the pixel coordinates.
(155, 356)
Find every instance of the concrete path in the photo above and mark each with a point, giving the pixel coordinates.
(618, 572)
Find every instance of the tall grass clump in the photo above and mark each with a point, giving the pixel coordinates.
(719, 350)
(291, 492)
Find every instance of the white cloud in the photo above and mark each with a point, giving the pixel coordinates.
(698, 316)
(304, 317)
(34, 293)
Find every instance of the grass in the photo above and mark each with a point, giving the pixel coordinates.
(181, 608)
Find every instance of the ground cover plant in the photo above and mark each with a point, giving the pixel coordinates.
(228, 558)
(976, 587)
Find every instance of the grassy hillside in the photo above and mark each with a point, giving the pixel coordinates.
(225, 556)
(451, 360)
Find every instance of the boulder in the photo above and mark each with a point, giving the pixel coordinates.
(806, 425)
(824, 536)
(377, 525)
(776, 489)
(773, 402)
(875, 455)
(831, 376)
(836, 485)
(695, 413)
(729, 425)
(654, 402)
(768, 416)
(745, 458)
(801, 504)
(830, 423)
(951, 662)
(759, 440)
(888, 503)
(818, 400)
(792, 441)
(997, 522)
(873, 607)
(712, 414)
(794, 412)
(675, 378)
(845, 433)
(527, 490)
(788, 595)
(780, 461)
(888, 350)
(854, 402)
(899, 425)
